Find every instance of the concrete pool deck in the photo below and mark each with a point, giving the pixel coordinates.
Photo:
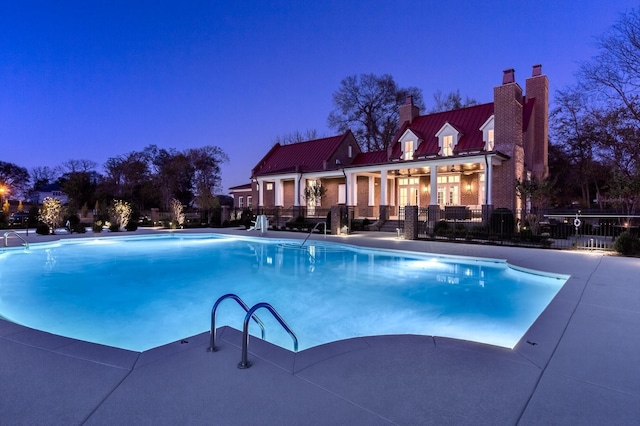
(579, 363)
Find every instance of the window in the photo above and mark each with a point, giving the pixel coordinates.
(350, 151)
(490, 140)
(269, 186)
(408, 150)
(249, 201)
(447, 145)
(240, 202)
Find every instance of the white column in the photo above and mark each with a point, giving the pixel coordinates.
(372, 186)
(383, 188)
(488, 181)
(279, 193)
(352, 187)
(392, 191)
(434, 185)
(296, 191)
(260, 193)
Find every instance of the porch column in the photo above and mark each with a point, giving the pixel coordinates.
(372, 186)
(352, 186)
(488, 181)
(260, 193)
(296, 192)
(279, 194)
(383, 188)
(433, 200)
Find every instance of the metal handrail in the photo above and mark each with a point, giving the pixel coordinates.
(244, 363)
(313, 229)
(212, 341)
(6, 238)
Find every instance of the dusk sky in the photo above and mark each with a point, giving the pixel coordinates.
(99, 79)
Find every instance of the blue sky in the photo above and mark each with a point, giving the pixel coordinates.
(98, 79)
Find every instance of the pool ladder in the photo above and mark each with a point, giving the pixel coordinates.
(6, 238)
(245, 363)
(313, 229)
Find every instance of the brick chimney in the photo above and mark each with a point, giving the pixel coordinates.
(408, 111)
(536, 146)
(508, 115)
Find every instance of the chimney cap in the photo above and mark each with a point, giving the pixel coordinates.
(537, 70)
(509, 76)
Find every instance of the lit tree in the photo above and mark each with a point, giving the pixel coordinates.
(121, 212)
(177, 216)
(51, 212)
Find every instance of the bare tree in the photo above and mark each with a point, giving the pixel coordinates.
(296, 136)
(368, 105)
(450, 101)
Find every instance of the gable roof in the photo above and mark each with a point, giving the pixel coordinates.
(300, 157)
(466, 120)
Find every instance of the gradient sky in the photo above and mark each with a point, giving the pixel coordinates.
(98, 79)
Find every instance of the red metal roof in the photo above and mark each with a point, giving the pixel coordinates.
(368, 158)
(466, 120)
(298, 157)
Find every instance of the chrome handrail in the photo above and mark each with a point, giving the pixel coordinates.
(212, 341)
(313, 229)
(6, 238)
(244, 363)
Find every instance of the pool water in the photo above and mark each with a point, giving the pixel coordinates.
(142, 292)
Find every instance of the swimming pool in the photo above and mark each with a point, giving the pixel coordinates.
(141, 292)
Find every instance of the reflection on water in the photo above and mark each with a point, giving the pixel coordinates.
(142, 293)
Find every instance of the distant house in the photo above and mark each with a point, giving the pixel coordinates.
(53, 190)
(466, 158)
(242, 196)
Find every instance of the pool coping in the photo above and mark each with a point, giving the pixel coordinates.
(574, 364)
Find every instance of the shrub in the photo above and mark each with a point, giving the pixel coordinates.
(97, 226)
(441, 227)
(78, 228)
(627, 244)
(114, 227)
(132, 225)
(42, 229)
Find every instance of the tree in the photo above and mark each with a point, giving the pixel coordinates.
(368, 105)
(120, 212)
(599, 121)
(296, 136)
(51, 212)
(618, 140)
(206, 162)
(177, 215)
(42, 176)
(14, 180)
(451, 101)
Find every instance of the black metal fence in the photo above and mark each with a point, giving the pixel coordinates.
(549, 229)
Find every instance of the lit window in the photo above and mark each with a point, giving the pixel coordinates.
(490, 140)
(269, 186)
(408, 150)
(447, 145)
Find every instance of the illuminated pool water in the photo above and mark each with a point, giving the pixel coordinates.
(141, 292)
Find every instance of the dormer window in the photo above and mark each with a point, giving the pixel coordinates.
(448, 137)
(408, 150)
(447, 145)
(409, 142)
(488, 134)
